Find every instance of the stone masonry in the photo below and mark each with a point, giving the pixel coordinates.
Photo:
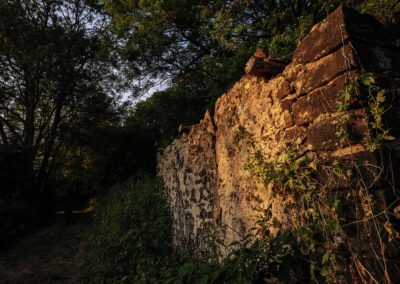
(203, 171)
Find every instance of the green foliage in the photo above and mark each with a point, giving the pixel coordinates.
(376, 109)
(316, 223)
(162, 113)
(375, 98)
(295, 176)
(132, 243)
(282, 44)
(256, 258)
(311, 188)
(132, 234)
(384, 10)
(169, 39)
(286, 171)
(175, 39)
(343, 107)
(104, 155)
(240, 134)
(221, 71)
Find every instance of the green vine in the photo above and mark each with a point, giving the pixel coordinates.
(343, 108)
(318, 194)
(375, 99)
(376, 110)
(315, 226)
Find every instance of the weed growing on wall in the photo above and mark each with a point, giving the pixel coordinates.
(374, 98)
(240, 134)
(339, 229)
(312, 223)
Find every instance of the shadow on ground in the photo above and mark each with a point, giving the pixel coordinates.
(53, 255)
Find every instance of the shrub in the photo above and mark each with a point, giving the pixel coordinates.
(132, 234)
(258, 257)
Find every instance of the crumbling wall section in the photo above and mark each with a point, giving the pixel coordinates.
(188, 170)
(203, 171)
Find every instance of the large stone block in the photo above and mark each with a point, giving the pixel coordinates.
(322, 136)
(294, 135)
(322, 100)
(319, 73)
(335, 30)
(264, 67)
(284, 89)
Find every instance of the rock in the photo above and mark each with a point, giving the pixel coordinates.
(188, 168)
(293, 134)
(267, 68)
(284, 89)
(334, 31)
(320, 72)
(184, 128)
(378, 59)
(322, 135)
(322, 100)
(260, 53)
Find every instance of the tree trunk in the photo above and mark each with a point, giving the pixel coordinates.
(49, 145)
(3, 134)
(27, 140)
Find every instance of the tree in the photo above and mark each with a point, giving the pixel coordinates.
(48, 70)
(200, 48)
(166, 39)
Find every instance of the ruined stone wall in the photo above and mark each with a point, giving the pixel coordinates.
(188, 169)
(203, 171)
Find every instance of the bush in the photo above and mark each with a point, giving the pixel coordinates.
(132, 243)
(132, 234)
(257, 258)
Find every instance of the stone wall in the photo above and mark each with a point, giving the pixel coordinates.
(203, 171)
(188, 169)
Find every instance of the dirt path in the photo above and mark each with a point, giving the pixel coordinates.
(53, 255)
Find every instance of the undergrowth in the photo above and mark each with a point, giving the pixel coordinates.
(132, 234)
(256, 257)
(131, 243)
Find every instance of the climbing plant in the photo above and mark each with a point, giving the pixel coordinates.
(335, 221)
(374, 97)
